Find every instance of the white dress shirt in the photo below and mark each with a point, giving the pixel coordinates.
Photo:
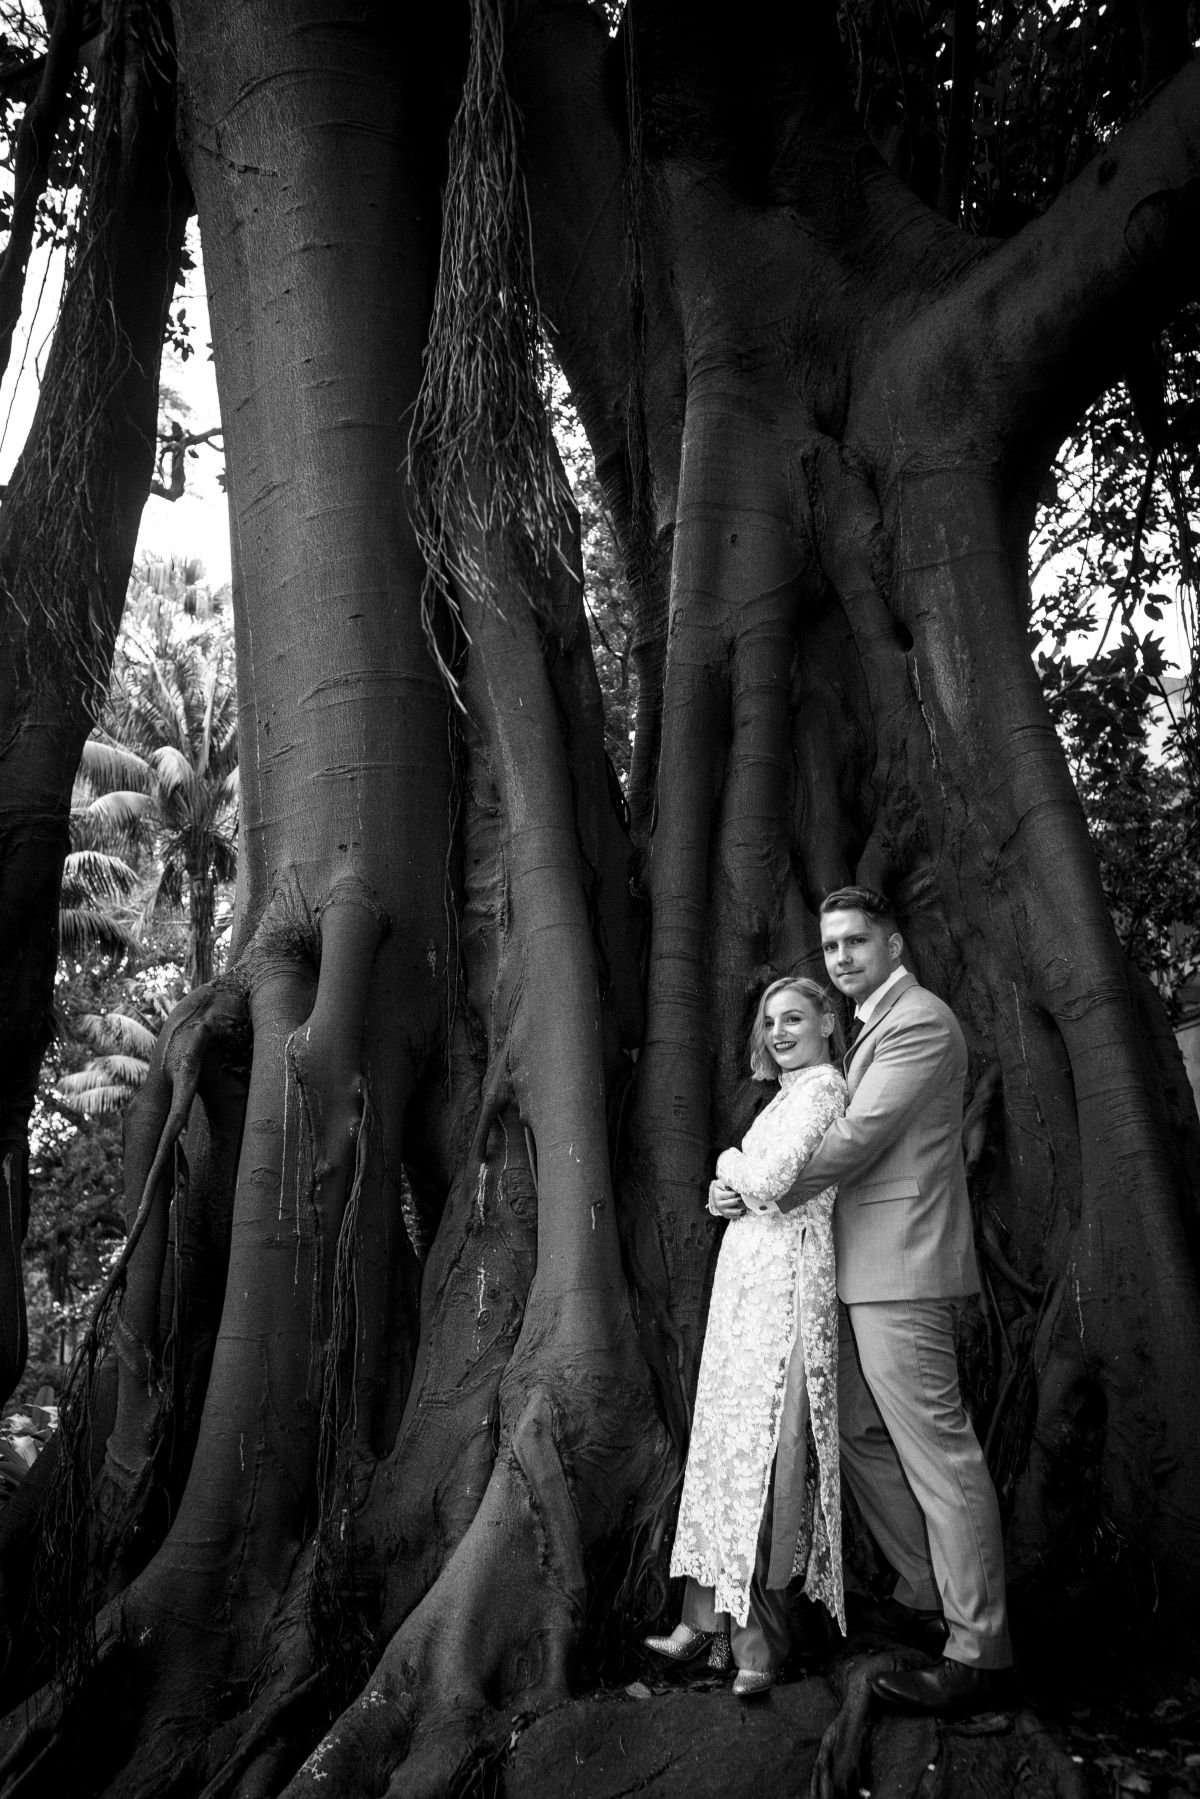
(866, 1011)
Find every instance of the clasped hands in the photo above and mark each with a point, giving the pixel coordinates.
(725, 1201)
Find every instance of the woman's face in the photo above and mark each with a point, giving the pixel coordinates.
(796, 1029)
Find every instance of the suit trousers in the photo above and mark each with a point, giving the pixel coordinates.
(762, 1642)
(914, 1465)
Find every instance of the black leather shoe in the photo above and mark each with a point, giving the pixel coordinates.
(903, 1624)
(952, 1689)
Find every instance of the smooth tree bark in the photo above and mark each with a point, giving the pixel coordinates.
(389, 1398)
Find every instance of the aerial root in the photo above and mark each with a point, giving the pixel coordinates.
(211, 1015)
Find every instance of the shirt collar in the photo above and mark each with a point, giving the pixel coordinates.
(789, 1076)
(867, 1010)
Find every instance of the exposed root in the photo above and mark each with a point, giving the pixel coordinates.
(870, 1748)
(89, 1518)
(841, 1770)
(495, 1635)
(492, 1637)
(253, 1768)
(70, 1742)
(27, 1738)
(476, 1286)
(335, 1627)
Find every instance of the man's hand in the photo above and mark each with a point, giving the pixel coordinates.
(724, 1201)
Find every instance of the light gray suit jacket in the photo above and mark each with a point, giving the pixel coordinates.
(902, 1221)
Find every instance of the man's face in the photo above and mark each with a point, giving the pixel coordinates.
(859, 953)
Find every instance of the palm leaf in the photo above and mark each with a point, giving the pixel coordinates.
(224, 858)
(165, 894)
(91, 874)
(94, 1102)
(151, 708)
(225, 718)
(172, 694)
(115, 814)
(115, 1033)
(87, 833)
(212, 677)
(104, 1085)
(106, 765)
(175, 774)
(82, 929)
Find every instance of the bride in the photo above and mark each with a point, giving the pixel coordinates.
(748, 1518)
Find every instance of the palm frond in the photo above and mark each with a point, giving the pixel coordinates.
(165, 894)
(82, 929)
(112, 815)
(173, 701)
(231, 784)
(115, 1034)
(224, 858)
(92, 874)
(107, 765)
(84, 830)
(225, 711)
(131, 1070)
(175, 774)
(150, 708)
(212, 679)
(100, 1088)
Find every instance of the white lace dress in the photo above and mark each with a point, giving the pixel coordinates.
(772, 1325)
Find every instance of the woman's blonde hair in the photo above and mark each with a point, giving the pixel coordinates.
(763, 1066)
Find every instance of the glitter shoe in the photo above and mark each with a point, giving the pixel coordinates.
(749, 1683)
(684, 1644)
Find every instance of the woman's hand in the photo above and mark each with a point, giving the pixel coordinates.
(724, 1201)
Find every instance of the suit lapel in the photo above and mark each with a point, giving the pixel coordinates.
(889, 1000)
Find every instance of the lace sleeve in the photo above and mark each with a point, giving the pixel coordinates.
(778, 1144)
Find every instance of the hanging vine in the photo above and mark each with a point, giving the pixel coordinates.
(481, 456)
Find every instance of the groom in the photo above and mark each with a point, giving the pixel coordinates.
(905, 1257)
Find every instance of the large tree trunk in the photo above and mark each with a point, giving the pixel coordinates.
(403, 1370)
(70, 523)
(346, 969)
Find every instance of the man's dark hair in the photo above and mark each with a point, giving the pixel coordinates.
(862, 899)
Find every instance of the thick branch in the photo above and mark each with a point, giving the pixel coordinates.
(609, 314)
(35, 141)
(1058, 303)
